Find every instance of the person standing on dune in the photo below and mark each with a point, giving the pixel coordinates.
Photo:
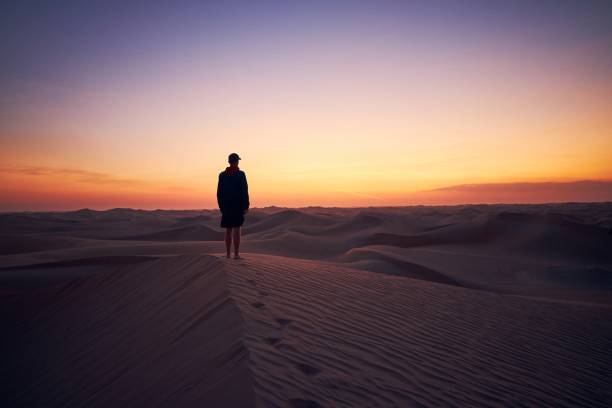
(233, 200)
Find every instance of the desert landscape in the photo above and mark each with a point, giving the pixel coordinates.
(474, 305)
(419, 194)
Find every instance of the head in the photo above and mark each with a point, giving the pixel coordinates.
(233, 159)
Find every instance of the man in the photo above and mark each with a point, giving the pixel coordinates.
(233, 200)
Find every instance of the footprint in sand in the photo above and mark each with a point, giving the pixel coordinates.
(303, 403)
(283, 322)
(258, 305)
(252, 282)
(308, 369)
(273, 341)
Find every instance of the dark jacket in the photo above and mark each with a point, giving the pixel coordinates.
(233, 192)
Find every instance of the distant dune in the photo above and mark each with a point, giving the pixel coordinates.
(187, 233)
(484, 305)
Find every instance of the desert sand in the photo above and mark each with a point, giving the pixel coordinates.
(477, 305)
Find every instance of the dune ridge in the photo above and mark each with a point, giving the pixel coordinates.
(187, 233)
(154, 333)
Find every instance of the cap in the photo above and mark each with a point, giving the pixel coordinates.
(233, 157)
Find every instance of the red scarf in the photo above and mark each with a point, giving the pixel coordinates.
(231, 170)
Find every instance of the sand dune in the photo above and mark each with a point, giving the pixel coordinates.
(188, 233)
(281, 220)
(322, 335)
(392, 265)
(17, 244)
(353, 225)
(415, 306)
(159, 333)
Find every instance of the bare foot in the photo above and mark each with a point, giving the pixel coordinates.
(228, 256)
(237, 257)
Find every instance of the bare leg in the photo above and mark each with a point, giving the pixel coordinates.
(236, 242)
(228, 241)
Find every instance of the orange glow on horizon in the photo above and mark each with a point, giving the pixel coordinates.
(348, 115)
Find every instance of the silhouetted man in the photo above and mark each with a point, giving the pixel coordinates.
(233, 200)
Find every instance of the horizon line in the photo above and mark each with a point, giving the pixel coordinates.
(502, 193)
(547, 203)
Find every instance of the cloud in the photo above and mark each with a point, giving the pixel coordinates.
(79, 175)
(97, 178)
(572, 186)
(519, 192)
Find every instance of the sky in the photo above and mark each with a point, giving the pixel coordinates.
(333, 103)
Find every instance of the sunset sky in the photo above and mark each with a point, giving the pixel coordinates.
(343, 103)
